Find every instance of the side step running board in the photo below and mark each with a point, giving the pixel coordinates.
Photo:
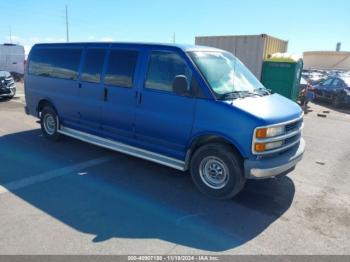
(123, 148)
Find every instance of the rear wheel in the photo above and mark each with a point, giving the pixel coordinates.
(217, 171)
(49, 123)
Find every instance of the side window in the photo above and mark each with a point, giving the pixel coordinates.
(55, 62)
(337, 83)
(163, 68)
(93, 65)
(121, 68)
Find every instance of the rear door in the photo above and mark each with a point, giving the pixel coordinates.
(120, 92)
(164, 119)
(91, 89)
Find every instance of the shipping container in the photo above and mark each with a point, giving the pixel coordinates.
(252, 50)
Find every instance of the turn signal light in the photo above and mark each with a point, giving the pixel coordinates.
(260, 147)
(261, 133)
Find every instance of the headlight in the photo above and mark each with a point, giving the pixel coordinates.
(261, 147)
(270, 132)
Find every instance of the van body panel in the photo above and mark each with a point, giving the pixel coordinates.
(163, 119)
(62, 93)
(89, 108)
(230, 123)
(118, 114)
(133, 116)
(269, 109)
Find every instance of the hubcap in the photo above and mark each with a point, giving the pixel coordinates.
(49, 124)
(213, 172)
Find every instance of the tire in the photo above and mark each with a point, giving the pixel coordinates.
(13, 95)
(336, 101)
(49, 123)
(217, 171)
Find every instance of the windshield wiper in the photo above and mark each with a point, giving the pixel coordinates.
(231, 95)
(264, 91)
(238, 94)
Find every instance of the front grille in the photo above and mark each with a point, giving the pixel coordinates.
(9, 82)
(294, 126)
(290, 138)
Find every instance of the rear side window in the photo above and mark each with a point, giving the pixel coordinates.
(163, 68)
(121, 68)
(56, 63)
(93, 65)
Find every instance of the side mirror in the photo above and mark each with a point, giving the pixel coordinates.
(180, 85)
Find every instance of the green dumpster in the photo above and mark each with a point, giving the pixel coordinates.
(282, 75)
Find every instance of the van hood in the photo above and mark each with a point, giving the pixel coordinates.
(271, 109)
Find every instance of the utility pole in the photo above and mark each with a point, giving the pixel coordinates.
(10, 35)
(67, 27)
(174, 38)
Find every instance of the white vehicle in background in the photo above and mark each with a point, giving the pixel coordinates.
(12, 58)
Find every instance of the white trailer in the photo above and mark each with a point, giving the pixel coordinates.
(12, 58)
(252, 50)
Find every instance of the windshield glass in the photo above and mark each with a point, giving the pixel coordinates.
(225, 73)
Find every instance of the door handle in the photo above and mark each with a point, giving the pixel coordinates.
(140, 99)
(105, 94)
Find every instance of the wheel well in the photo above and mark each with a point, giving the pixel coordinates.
(43, 103)
(202, 140)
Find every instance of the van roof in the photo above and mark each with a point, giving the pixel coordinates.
(184, 47)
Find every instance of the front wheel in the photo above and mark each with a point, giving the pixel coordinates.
(217, 171)
(49, 123)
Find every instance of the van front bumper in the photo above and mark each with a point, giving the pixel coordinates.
(274, 166)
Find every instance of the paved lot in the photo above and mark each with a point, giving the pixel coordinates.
(75, 198)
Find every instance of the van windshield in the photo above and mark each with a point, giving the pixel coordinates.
(226, 75)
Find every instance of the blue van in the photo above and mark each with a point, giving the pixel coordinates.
(191, 108)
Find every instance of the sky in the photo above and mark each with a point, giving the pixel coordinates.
(308, 25)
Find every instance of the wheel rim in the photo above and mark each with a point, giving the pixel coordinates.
(214, 172)
(49, 124)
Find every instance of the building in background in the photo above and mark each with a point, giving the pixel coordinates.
(327, 60)
(252, 50)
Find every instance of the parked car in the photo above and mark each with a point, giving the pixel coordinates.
(335, 90)
(7, 85)
(187, 107)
